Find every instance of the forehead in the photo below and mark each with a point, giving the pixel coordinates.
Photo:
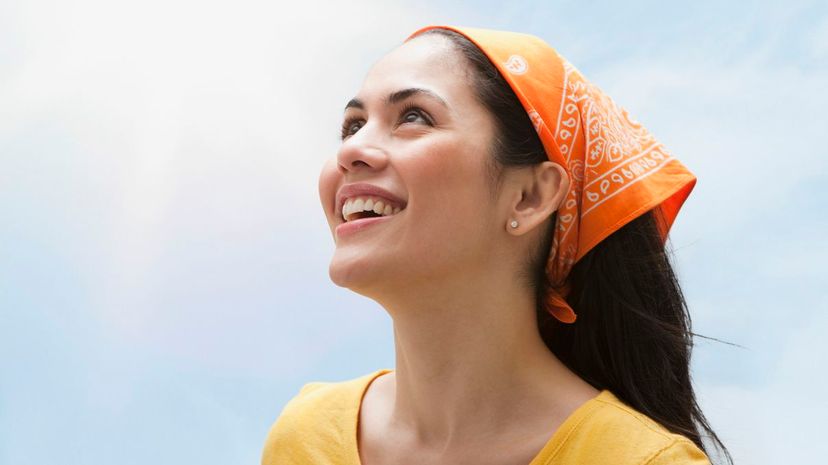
(429, 62)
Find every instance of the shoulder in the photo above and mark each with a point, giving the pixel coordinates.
(315, 423)
(614, 432)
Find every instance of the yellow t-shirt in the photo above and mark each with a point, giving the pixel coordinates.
(319, 427)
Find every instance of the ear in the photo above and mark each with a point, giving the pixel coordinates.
(542, 190)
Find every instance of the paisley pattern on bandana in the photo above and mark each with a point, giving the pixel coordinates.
(617, 169)
(618, 152)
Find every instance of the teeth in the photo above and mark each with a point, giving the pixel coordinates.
(374, 204)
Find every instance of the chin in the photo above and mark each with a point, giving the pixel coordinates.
(353, 273)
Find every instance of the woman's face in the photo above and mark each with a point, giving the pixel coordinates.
(428, 148)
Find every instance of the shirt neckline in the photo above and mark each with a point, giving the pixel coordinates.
(548, 451)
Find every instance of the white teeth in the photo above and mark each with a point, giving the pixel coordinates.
(374, 204)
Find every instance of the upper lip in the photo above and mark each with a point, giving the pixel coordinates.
(355, 190)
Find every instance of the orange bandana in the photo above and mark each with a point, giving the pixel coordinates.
(617, 170)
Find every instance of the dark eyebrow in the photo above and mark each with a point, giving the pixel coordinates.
(398, 96)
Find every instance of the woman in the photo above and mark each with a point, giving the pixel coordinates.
(512, 220)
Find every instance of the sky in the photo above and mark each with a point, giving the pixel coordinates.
(161, 299)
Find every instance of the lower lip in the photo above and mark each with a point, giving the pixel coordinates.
(352, 227)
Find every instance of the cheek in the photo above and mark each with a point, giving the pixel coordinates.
(452, 177)
(449, 168)
(450, 228)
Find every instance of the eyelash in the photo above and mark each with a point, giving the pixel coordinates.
(346, 126)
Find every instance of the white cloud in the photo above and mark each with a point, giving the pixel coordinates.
(202, 127)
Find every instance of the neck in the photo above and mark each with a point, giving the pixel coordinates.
(471, 365)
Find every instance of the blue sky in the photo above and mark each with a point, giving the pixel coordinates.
(161, 299)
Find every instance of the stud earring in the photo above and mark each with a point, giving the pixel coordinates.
(514, 224)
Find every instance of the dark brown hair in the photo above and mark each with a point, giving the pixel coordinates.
(633, 333)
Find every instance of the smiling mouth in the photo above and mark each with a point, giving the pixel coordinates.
(368, 214)
(359, 221)
(361, 208)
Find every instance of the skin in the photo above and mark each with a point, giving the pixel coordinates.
(473, 381)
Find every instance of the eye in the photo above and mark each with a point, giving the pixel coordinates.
(411, 112)
(350, 126)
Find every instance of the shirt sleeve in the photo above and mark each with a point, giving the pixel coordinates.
(680, 452)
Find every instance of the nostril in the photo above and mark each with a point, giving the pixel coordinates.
(353, 164)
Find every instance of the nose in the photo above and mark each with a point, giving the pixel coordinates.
(359, 152)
